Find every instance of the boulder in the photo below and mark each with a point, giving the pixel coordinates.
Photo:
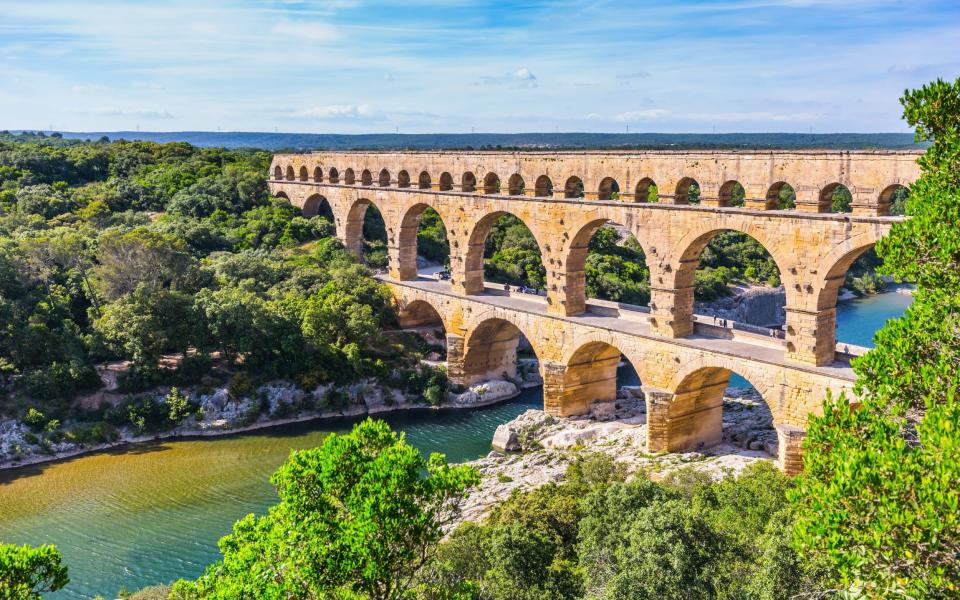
(603, 411)
(505, 439)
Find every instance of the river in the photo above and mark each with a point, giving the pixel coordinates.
(152, 513)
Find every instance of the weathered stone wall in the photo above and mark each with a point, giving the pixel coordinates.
(812, 251)
(684, 381)
(868, 174)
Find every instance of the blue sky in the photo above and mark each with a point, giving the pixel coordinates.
(351, 66)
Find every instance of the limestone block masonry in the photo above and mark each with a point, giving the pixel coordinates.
(564, 197)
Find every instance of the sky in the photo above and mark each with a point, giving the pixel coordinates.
(422, 66)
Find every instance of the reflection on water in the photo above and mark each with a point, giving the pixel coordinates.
(152, 513)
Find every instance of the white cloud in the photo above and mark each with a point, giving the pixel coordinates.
(340, 111)
(86, 88)
(143, 113)
(306, 32)
(524, 74)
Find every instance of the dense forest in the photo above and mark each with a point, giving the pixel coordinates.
(177, 260)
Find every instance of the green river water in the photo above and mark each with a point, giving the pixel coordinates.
(151, 513)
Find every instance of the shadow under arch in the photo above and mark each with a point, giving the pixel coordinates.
(318, 205)
(420, 314)
(474, 256)
(490, 351)
(693, 420)
(591, 373)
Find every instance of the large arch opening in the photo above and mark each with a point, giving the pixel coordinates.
(893, 200)
(491, 183)
(515, 185)
(646, 191)
(732, 194)
(468, 182)
(366, 178)
(446, 182)
(714, 409)
(503, 250)
(609, 189)
(836, 198)
(544, 187)
(606, 262)
(424, 245)
(688, 192)
(366, 234)
(573, 188)
(318, 206)
(277, 173)
(734, 282)
(349, 177)
(781, 196)
(403, 179)
(423, 181)
(496, 349)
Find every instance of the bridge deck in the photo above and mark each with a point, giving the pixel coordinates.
(740, 348)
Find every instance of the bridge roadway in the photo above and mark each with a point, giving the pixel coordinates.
(683, 378)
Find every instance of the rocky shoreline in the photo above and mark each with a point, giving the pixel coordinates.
(225, 416)
(541, 447)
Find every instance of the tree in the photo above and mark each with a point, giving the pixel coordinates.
(357, 517)
(26, 573)
(141, 257)
(878, 501)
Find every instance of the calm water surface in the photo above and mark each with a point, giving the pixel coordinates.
(152, 513)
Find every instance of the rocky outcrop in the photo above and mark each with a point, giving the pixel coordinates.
(756, 305)
(535, 448)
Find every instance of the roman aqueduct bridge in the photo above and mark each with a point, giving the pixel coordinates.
(563, 198)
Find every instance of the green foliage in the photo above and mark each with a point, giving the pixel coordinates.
(27, 573)
(878, 502)
(356, 518)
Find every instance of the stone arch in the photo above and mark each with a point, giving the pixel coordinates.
(383, 180)
(678, 298)
(353, 227)
(349, 177)
(490, 350)
(574, 265)
(473, 257)
(573, 188)
(774, 200)
(446, 182)
(468, 182)
(334, 176)
(282, 194)
(684, 187)
(643, 189)
(590, 376)
(366, 178)
(491, 183)
(303, 174)
(515, 185)
(317, 174)
(423, 181)
(407, 238)
(403, 179)
(278, 172)
(418, 314)
(693, 417)
(826, 199)
(609, 189)
(544, 187)
(732, 194)
(290, 174)
(317, 205)
(885, 201)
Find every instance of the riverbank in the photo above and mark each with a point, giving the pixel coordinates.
(536, 448)
(223, 416)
